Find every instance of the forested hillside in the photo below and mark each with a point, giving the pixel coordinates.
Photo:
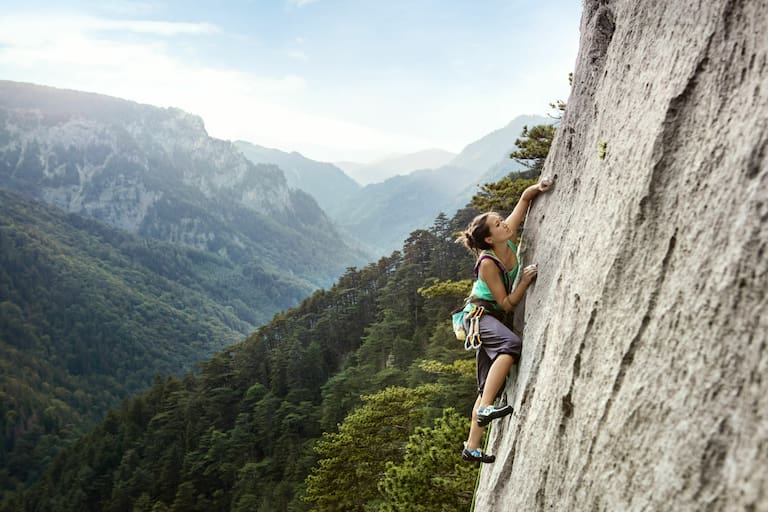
(332, 406)
(88, 314)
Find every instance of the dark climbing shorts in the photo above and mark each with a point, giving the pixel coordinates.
(496, 339)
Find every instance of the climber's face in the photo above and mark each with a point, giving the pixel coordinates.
(498, 229)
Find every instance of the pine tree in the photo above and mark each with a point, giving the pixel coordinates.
(353, 459)
(501, 196)
(431, 477)
(533, 147)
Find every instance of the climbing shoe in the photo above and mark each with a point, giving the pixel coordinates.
(477, 455)
(486, 414)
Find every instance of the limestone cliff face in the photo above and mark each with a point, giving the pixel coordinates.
(643, 380)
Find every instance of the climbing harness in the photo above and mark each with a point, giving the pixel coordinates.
(474, 308)
(473, 340)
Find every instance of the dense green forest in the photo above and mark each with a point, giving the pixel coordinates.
(89, 314)
(357, 399)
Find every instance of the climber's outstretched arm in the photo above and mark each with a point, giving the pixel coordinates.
(517, 215)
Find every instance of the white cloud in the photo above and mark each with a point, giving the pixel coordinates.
(161, 28)
(22, 31)
(27, 44)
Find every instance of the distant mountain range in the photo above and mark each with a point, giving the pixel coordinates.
(381, 215)
(157, 173)
(325, 182)
(384, 168)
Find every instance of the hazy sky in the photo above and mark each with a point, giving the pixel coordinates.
(332, 79)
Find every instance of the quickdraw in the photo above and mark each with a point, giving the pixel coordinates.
(473, 340)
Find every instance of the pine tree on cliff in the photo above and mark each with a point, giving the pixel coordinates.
(533, 147)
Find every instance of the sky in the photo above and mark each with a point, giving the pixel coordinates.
(336, 80)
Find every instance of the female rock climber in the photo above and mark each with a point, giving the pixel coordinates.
(489, 237)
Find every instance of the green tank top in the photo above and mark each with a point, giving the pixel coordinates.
(480, 288)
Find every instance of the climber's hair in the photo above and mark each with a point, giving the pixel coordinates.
(474, 236)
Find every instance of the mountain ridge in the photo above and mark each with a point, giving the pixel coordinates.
(325, 182)
(417, 198)
(397, 164)
(157, 173)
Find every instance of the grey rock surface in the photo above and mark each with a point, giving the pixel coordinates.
(642, 384)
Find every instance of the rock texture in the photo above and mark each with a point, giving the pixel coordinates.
(643, 380)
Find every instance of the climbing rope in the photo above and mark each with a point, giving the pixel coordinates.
(480, 469)
(549, 182)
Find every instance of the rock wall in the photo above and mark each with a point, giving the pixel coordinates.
(643, 381)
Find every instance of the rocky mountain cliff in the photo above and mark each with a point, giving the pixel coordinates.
(156, 172)
(642, 381)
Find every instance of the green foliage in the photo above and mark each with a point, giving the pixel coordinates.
(533, 146)
(87, 316)
(602, 150)
(430, 477)
(369, 437)
(461, 367)
(450, 289)
(501, 196)
(559, 106)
